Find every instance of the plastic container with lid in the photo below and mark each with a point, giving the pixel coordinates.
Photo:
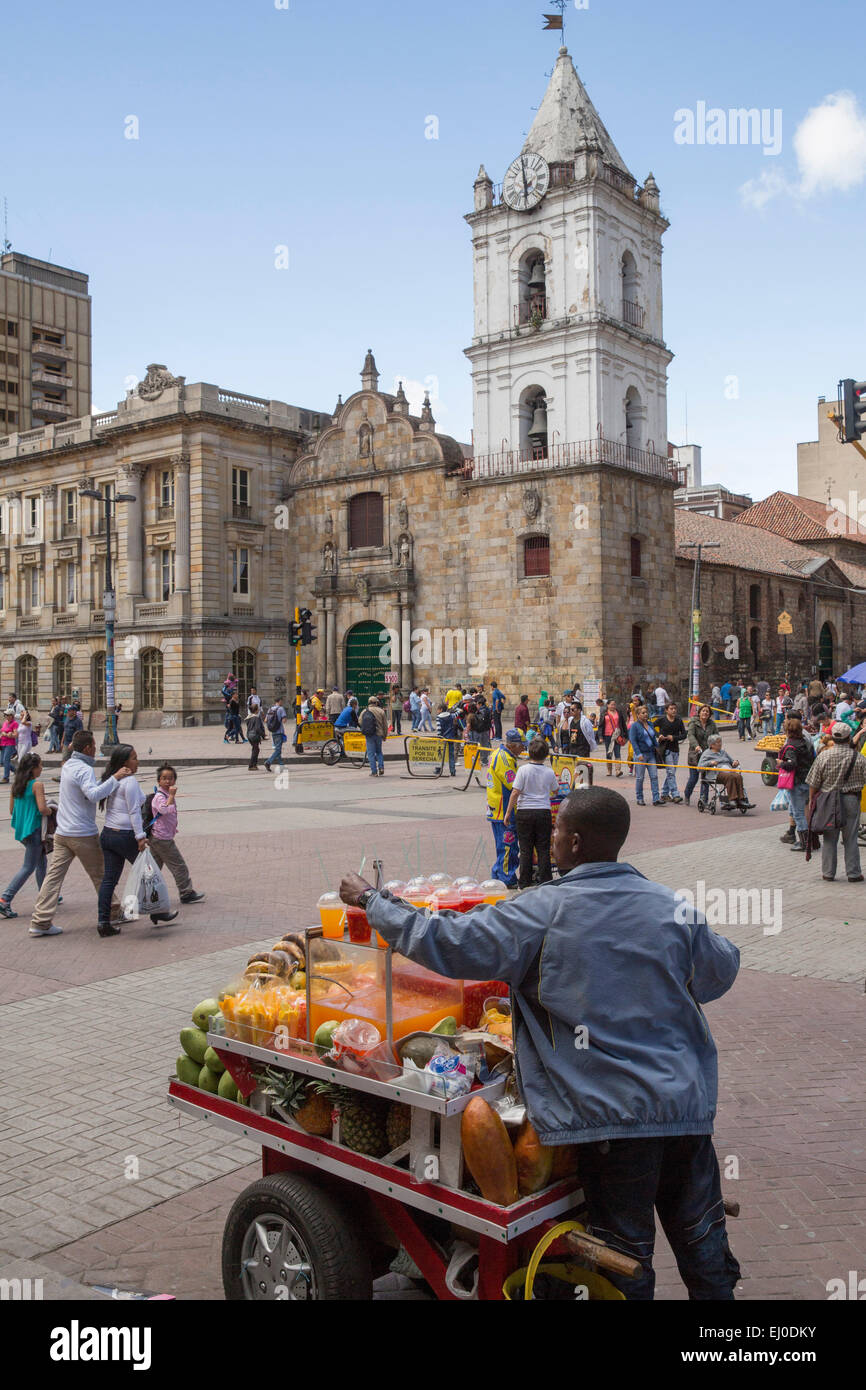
(493, 891)
(359, 927)
(332, 912)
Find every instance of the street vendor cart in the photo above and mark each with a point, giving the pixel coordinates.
(364, 1147)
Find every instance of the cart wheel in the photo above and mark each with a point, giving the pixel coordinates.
(769, 772)
(713, 808)
(701, 806)
(331, 751)
(287, 1240)
(744, 810)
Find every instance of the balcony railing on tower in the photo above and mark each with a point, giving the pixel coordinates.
(633, 314)
(587, 453)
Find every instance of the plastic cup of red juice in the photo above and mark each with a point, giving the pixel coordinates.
(359, 927)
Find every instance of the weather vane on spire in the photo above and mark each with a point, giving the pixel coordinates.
(557, 21)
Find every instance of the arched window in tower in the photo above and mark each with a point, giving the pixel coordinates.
(631, 310)
(532, 289)
(533, 422)
(633, 424)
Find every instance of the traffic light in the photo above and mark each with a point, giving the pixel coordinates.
(308, 632)
(295, 634)
(852, 409)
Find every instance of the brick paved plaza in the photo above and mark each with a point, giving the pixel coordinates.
(88, 1027)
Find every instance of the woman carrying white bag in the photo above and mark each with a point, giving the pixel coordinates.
(123, 840)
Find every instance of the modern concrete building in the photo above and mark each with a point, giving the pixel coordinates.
(45, 343)
(831, 473)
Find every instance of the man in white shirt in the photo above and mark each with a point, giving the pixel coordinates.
(662, 699)
(254, 703)
(76, 836)
(17, 706)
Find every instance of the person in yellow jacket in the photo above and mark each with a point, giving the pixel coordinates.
(453, 696)
(500, 779)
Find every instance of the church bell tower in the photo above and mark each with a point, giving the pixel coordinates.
(567, 351)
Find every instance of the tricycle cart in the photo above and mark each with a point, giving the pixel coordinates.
(325, 1219)
(771, 746)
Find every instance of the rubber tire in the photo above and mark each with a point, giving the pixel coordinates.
(769, 772)
(329, 749)
(702, 806)
(743, 810)
(337, 1252)
(713, 808)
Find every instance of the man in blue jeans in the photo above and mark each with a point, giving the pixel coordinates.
(374, 727)
(275, 719)
(634, 1087)
(645, 746)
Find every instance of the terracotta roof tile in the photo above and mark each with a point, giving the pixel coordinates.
(800, 519)
(742, 547)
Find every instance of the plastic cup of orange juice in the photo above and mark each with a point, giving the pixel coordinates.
(332, 913)
(493, 891)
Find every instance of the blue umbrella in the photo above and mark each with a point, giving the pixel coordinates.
(856, 674)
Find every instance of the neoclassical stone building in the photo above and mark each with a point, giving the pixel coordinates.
(200, 557)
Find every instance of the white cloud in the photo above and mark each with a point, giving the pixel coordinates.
(830, 145)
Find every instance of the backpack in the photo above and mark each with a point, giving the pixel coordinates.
(272, 719)
(407, 708)
(368, 722)
(148, 819)
(483, 719)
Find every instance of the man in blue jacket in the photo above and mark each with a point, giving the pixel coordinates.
(608, 972)
(645, 746)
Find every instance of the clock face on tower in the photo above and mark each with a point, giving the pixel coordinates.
(526, 181)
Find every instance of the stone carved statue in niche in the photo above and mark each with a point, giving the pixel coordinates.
(404, 552)
(403, 515)
(365, 440)
(329, 525)
(329, 559)
(362, 588)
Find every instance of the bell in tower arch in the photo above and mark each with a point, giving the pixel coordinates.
(536, 277)
(538, 426)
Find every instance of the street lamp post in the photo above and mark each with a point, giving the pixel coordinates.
(109, 608)
(698, 547)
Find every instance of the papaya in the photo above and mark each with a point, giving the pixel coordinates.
(187, 1070)
(488, 1153)
(534, 1161)
(564, 1161)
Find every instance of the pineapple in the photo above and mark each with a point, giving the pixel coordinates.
(302, 1100)
(398, 1123)
(362, 1120)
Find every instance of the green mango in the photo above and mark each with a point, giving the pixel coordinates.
(212, 1060)
(202, 1012)
(446, 1027)
(209, 1081)
(227, 1088)
(187, 1070)
(194, 1043)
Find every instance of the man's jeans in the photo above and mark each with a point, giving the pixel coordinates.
(829, 839)
(277, 755)
(624, 1179)
(642, 766)
(374, 753)
(670, 786)
(8, 755)
(53, 744)
(416, 719)
(780, 719)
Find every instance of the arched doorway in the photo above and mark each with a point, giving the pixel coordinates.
(365, 670)
(825, 653)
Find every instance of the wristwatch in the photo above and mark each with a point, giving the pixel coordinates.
(365, 898)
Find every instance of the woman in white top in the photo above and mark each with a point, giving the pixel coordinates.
(533, 787)
(123, 836)
(25, 732)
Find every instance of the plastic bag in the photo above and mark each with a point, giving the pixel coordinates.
(781, 801)
(146, 892)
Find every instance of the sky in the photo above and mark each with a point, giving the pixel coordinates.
(282, 209)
